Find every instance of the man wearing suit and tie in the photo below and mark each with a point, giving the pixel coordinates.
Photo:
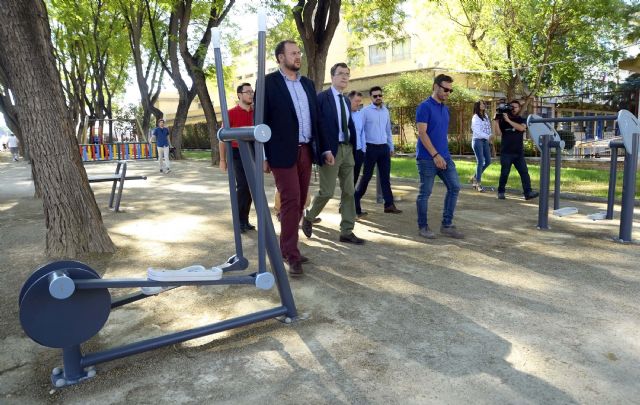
(291, 111)
(335, 118)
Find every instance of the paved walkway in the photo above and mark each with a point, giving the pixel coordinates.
(508, 315)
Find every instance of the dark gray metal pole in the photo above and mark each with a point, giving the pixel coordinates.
(629, 190)
(613, 177)
(226, 124)
(543, 203)
(261, 203)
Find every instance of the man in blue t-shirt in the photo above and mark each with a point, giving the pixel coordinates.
(433, 158)
(164, 145)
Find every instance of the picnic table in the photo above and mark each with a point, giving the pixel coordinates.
(118, 178)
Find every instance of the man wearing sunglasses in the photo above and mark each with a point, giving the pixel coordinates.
(433, 158)
(377, 131)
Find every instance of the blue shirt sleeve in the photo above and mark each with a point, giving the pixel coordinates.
(389, 135)
(423, 114)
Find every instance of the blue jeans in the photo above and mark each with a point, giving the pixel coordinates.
(449, 176)
(482, 150)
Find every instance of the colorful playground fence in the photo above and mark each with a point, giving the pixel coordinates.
(118, 151)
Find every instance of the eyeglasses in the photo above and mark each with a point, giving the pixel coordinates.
(343, 74)
(445, 89)
(298, 53)
(376, 96)
(248, 92)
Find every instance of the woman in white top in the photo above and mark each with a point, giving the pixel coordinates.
(481, 129)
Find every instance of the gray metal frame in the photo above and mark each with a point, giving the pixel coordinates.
(65, 303)
(545, 137)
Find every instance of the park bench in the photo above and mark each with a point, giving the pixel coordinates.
(119, 176)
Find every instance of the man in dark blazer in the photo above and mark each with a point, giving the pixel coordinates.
(335, 118)
(291, 111)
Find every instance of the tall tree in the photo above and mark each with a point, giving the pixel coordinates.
(184, 17)
(533, 45)
(149, 73)
(90, 41)
(73, 220)
(317, 20)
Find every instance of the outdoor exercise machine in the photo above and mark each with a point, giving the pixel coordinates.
(546, 138)
(65, 303)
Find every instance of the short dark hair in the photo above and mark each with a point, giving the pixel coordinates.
(375, 88)
(354, 93)
(336, 66)
(515, 102)
(160, 120)
(280, 47)
(442, 78)
(241, 87)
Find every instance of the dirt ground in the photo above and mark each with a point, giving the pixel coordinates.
(508, 315)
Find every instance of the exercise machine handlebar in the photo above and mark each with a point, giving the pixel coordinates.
(533, 120)
(260, 133)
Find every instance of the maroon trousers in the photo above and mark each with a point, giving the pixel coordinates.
(293, 185)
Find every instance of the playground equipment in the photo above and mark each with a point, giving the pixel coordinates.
(94, 152)
(117, 179)
(545, 138)
(65, 303)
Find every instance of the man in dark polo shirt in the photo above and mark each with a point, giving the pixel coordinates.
(511, 127)
(240, 116)
(433, 158)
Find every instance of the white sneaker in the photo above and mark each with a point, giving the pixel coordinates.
(191, 273)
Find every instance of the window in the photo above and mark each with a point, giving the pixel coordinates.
(401, 49)
(377, 54)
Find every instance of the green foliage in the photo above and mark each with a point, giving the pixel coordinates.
(408, 90)
(196, 136)
(460, 146)
(531, 46)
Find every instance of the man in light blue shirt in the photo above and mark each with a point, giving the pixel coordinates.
(361, 143)
(379, 146)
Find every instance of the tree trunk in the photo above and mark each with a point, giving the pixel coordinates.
(73, 220)
(316, 22)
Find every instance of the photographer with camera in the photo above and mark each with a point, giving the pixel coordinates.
(511, 127)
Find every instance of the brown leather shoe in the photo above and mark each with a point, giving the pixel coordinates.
(307, 227)
(392, 209)
(351, 238)
(295, 269)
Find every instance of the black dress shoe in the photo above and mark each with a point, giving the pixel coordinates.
(248, 227)
(295, 269)
(392, 209)
(307, 227)
(531, 195)
(351, 238)
(304, 259)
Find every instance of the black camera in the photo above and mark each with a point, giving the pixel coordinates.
(502, 108)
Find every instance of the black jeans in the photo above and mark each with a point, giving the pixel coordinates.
(376, 154)
(508, 159)
(242, 188)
